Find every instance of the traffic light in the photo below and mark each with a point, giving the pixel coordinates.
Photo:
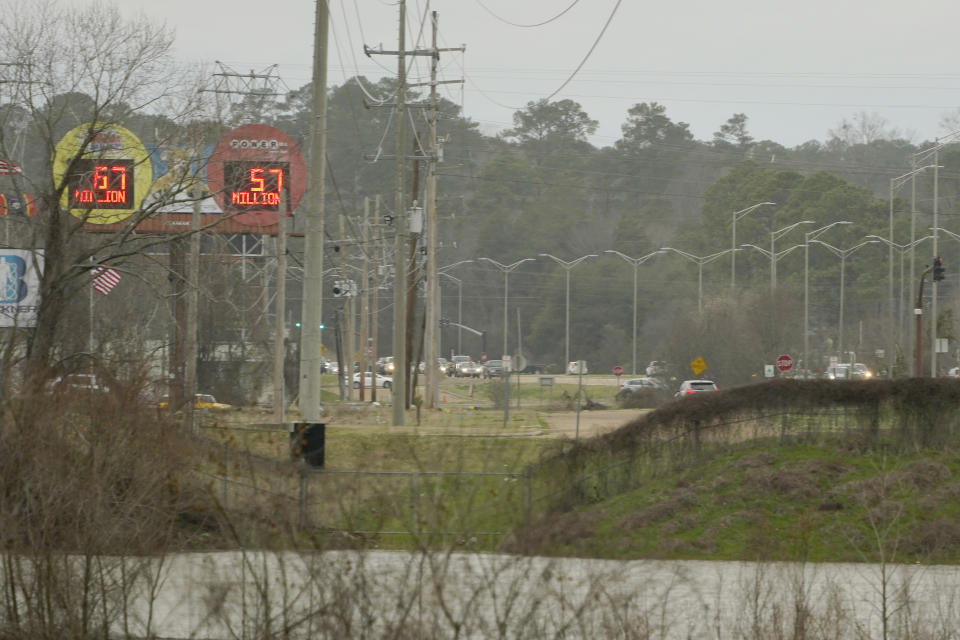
(938, 268)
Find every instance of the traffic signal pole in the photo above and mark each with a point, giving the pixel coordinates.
(918, 313)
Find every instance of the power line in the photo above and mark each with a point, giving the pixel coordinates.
(526, 26)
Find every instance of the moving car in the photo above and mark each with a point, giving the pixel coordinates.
(384, 382)
(838, 372)
(468, 369)
(688, 387)
(493, 369)
(636, 384)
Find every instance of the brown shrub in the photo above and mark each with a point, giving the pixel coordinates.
(554, 529)
(925, 474)
(787, 482)
(937, 536)
(678, 502)
(753, 460)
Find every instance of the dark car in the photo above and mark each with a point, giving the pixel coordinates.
(493, 369)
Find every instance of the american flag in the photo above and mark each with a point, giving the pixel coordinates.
(105, 279)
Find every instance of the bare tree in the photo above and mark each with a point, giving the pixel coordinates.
(86, 71)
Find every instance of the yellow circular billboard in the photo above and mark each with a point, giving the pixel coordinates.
(107, 169)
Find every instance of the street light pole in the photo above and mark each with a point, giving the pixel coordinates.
(902, 249)
(774, 236)
(733, 245)
(567, 266)
(939, 143)
(506, 269)
(636, 262)
(842, 254)
(807, 238)
(774, 258)
(443, 272)
(700, 260)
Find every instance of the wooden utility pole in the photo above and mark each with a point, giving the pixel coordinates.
(364, 301)
(311, 333)
(279, 342)
(431, 306)
(375, 312)
(400, 221)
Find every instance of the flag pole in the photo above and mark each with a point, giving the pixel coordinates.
(90, 319)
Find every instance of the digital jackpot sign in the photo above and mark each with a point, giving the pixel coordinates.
(256, 186)
(107, 171)
(256, 173)
(101, 184)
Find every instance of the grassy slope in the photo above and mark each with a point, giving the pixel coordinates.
(775, 503)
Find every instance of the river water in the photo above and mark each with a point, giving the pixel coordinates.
(393, 594)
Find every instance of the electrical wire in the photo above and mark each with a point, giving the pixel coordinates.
(527, 26)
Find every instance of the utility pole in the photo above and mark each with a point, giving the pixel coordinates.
(364, 301)
(279, 344)
(311, 332)
(431, 306)
(375, 312)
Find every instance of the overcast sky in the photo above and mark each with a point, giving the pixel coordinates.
(795, 69)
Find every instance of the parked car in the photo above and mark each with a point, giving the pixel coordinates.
(636, 384)
(573, 368)
(384, 382)
(688, 387)
(201, 401)
(493, 369)
(78, 382)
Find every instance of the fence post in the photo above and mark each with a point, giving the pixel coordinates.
(413, 503)
(527, 494)
(302, 515)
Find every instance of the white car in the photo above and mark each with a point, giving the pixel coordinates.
(384, 382)
(689, 387)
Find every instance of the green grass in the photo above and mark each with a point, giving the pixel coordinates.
(798, 503)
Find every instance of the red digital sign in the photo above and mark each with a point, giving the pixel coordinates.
(256, 172)
(101, 184)
(256, 186)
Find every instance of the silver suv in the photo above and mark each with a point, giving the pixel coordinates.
(695, 386)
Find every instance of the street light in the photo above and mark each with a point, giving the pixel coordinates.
(896, 183)
(918, 157)
(567, 266)
(902, 248)
(700, 260)
(443, 272)
(733, 245)
(807, 237)
(774, 258)
(774, 236)
(636, 262)
(506, 269)
(842, 254)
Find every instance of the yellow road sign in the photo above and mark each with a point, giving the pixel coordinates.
(697, 366)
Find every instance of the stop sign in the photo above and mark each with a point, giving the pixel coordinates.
(784, 363)
(618, 371)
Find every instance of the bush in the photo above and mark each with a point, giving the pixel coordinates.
(640, 399)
